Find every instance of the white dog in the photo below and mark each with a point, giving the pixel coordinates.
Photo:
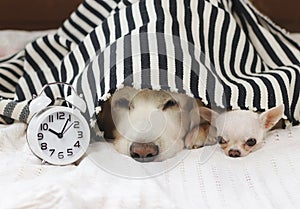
(150, 125)
(240, 132)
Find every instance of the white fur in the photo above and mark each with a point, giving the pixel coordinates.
(236, 127)
(148, 122)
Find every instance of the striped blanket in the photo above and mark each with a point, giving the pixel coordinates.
(222, 51)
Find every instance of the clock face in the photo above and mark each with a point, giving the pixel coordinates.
(59, 137)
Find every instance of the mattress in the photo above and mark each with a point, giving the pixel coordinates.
(200, 178)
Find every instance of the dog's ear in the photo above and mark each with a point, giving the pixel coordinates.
(269, 118)
(105, 121)
(208, 114)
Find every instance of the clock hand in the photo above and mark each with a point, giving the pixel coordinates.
(54, 132)
(63, 130)
(68, 128)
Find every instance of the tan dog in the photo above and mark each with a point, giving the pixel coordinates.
(151, 125)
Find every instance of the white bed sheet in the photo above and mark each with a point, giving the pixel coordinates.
(268, 178)
(204, 178)
(12, 41)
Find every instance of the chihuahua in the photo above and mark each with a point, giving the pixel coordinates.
(238, 132)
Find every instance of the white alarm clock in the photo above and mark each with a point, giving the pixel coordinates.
(58, 135)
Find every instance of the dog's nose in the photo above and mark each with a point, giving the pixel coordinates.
(143, 152)
(234, 153)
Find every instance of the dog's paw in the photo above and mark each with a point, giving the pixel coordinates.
(200, 136)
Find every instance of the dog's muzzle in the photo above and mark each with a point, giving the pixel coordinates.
(234, 153)
(144, 152)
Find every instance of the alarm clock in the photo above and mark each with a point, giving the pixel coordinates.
(59, 135)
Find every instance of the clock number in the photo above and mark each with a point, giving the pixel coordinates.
(77, 144)
(44, 146)
(50, 118)
(70, 152)
(76, 124)
(44, 126)
(60, 155)
(80, 134)
(60, 116)
(52, 151)
(40, 136)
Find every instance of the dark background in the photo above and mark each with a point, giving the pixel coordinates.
(35, 14)
(285, 13)
(48, 14)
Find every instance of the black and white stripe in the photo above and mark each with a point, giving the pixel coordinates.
(222, 51)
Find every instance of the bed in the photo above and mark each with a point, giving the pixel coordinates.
(200, 178)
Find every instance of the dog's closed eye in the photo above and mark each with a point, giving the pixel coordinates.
(122, 103)
(221, 140)
(170, 103)
(251, 142)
